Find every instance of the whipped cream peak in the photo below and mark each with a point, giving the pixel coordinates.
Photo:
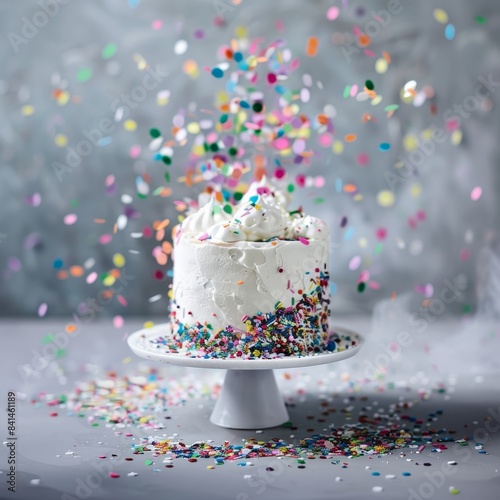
(210, 214)
(269, 190)
(261, 215)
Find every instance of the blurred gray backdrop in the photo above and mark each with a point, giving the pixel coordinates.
(63, 72)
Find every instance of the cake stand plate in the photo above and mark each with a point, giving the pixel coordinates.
(249, 398)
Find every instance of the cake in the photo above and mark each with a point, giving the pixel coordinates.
(251, 281)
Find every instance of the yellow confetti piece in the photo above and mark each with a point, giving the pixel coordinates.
(363, 242)
(456, 137)
(193, 128)
(381, 66)
(377, 100)
(148, 324)
(416, 190)
(109, 280)
(440, 16)
(63, 98)
(130, 125)
(126, 360)
(338, 147)
(410, 142)
(118, 260)
(385, 198)
(241, 32)
(27, 110)
(357, 197)
(61, 140)
(427, 134)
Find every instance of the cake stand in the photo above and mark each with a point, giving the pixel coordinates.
(249, 398)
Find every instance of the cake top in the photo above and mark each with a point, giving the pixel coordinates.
(261, 215)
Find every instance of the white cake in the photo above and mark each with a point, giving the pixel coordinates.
(253, 283)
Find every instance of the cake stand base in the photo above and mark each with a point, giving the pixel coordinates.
(249, 399)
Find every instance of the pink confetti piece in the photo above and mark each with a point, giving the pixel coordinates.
(303, 241)
(332, 13)
(114, 475)
(104, 239)
(122, 300)
(476, 193)
(118, 321)
(70, 219)
(42, 310)
(354, 263)
(91, 278)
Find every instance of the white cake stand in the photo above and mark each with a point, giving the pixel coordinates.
(249, 398)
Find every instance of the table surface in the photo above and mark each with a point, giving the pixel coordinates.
(63, 451)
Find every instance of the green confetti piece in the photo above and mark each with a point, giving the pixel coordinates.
(467, 309)
(288, 425)
(167, 176)
(167, 160)
(290, 188)
(148, 462)
(361, 287)
(60, 353)
(109, 50)
(228, 209)
(95, 424)
(391, 107)
(48, 338)
(237, 196)
(481, 20)
(378, 249)
(141, 196)
(84, 74)
(369, 85)
(223, 118)
(154, 133)
(319, 200)
(347, 92)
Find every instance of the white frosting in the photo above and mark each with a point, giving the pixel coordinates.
(207, 216)
(220, 283)
(260, 216)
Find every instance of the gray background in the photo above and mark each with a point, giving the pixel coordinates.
(75, 37)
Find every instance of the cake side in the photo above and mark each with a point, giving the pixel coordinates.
(251, 281)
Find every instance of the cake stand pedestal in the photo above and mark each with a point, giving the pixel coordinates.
(249, 398)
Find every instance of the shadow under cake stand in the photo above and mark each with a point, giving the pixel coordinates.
(249, 398)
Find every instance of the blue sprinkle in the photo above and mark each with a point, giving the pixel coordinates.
(238, 56)
(338, 185)
(374, 473)
(406, 473)
(57, 264)
(217, 72)
(449, 32)
(349, 233)
(384, 146)
(244, 104)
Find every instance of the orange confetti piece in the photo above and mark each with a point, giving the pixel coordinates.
(107, 294)
(350, 137)
(393, 295)
(160, 224)
(322, 119)
(364, 40)
(387, 56)
(116, 273)
(99, 221)
(161, 258)
(350, 188)
(240, 282)
(312, 46)
(70, 328)
(76, 271)
(62, 275)
(166, 247)
(160, 235)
